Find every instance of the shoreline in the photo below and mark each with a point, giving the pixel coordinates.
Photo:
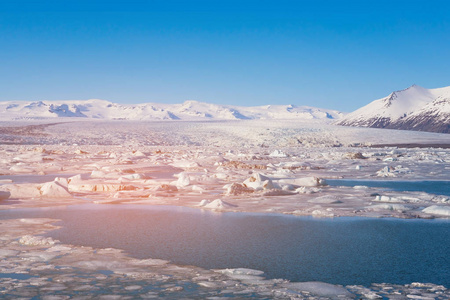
(412, 145)
(107, 264)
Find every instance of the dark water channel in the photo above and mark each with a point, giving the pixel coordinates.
(340, 251)
(428, 186)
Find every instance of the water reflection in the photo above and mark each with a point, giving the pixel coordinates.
(342, 251)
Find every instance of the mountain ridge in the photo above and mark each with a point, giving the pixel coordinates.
(415, 108)
(188, 110)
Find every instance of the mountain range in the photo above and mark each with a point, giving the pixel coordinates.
(415, 108)
(189, 110)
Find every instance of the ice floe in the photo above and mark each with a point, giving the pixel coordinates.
(437, 210)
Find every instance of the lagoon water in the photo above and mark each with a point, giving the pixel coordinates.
(428, 186)
(340, 251)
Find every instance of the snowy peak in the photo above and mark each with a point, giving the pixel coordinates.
(188, 110)
(414, 108)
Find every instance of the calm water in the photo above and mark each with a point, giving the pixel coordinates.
(432, 187)
(341, 251)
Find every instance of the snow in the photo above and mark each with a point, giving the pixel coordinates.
(189, 110)
(258, 182)
(322, 289)
(395, 105)
(437, 210)
(304, 182)
(414, 108)
(30, 240)
(183, 180)
(54, 190)
(260, 166)
(217, 204)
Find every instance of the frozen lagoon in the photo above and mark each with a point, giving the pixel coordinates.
(135, 163)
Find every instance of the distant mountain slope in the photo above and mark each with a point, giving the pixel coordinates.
(414, 108)
(189, 110)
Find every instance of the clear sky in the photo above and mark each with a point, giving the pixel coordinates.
(330, 54)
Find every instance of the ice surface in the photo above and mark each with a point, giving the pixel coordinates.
(437, 210)
(218, 204)
(322, 289)
(255, 166)
(54, 190)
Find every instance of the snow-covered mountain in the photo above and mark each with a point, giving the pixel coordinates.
(415, 108)
(189, 110)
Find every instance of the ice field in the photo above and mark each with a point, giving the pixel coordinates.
(257, 166)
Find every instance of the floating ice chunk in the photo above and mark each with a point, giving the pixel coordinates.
(306, 190)
(204, 202)
(396, 207)
(360, 187)
(276, 192)
(98, 174)
(149, 262)
(138, 154)
(393, 171)
(381, 198)
(387, 172)
(183, 180)
(29, 157)
(288, 187)
(419, 297)
(437, 210)
(325, 200)
(278, 153)
(59, 248)
(390, 159)
(79, 151)
(322, 213)
(240, 271)
(21, 169)
(305, 181)
(76, 178)
(218, 204)
(185, 164)
(259, 182)
(54, 190)
(4, 195)
(197, 188)
(354, 155)
(22, 190)
(221, 176)
(247, 275)
(38, 255)
(99, 187)
(30, 240)
(321, 289)
(135, 176)
(167, 188)
(62, 181)
(7, 252)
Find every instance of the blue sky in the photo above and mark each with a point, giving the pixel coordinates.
(329, 54)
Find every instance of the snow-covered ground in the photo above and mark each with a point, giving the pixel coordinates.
(247, 165)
